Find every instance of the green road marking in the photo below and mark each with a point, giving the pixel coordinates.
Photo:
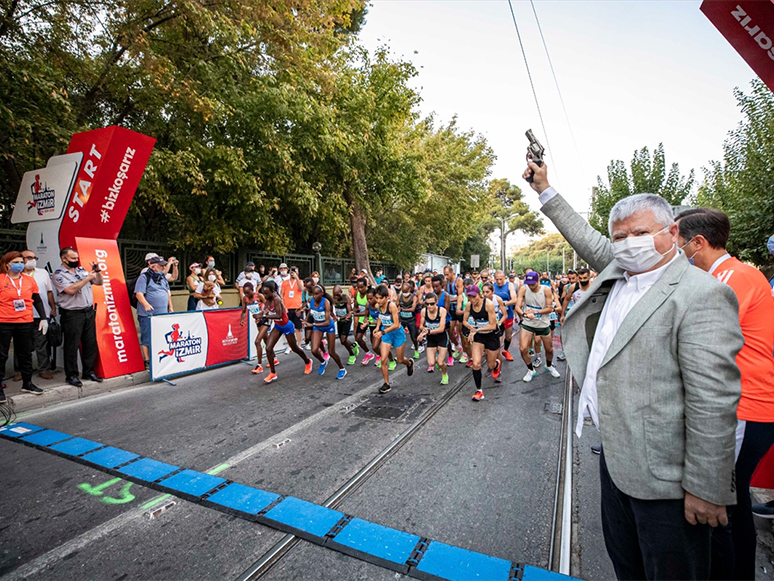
(124, 496)
(155, 501)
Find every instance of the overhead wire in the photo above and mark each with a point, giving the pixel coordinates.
(532, 84)
(556, 82)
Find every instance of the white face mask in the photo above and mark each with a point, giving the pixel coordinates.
(30, 264)
(212, 278)
(211, 264)
(283, 273)
(315, 280)
(638, 253)
(197, 270)
(406, 295)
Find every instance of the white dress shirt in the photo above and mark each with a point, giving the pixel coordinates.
(626, 292)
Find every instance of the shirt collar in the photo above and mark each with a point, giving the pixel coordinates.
(718, 262)
(648, 279)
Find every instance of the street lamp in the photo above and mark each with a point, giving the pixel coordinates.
(316, 247)
(506, 203)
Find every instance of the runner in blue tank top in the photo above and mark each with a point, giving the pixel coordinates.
(444, 301)
(390, 331)
(321, 311)
(506, 290)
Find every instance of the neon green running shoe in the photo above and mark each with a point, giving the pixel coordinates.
(357, 350)
(416, 354)
(352, 359)
(392, 365)
(445, 379)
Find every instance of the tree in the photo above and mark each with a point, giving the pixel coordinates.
(511, 213)
(549, 249)
(647, 176)
(742, 184)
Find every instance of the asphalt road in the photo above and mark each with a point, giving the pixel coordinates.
(477, 475)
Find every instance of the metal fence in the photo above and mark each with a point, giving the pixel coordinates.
(334, 270)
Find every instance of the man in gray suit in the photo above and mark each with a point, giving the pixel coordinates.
(654, 341)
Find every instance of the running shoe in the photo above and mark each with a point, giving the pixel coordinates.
(352, 359)
(341, 374)
(307, 346)
(367, 359)
(531, 351)
(356, 350)
(431, 369)
(445, 379)
(269, 378)
(496, 372)
(308, 368)
(561, 356)
(392, 365)
(456, 353)
(378, 362)
(322, 366)
(498, 379)
(552, 370)
(32, 388)
(450, 361)
(276, 361)
(478, 396)
(257, 369)
(538, 360)
(464, 357)
(410, 371)
(385, 388)
(421, 348)
(326, 356)
(469, 364)
(507, 355)
(530, 374)
(416, 353)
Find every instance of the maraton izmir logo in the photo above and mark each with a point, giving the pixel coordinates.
(43, 198)
(230, 339)
(179, 346)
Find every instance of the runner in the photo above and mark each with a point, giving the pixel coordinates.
(342, 308)
(479, 317)
(361, 319)
(433, 327)
(391, 334)
(292, 293)
(506, 290)
(307, 297)
(254, 303)
(444, 301)
(321, 310)
(407, 303)
(535, 302)
(500, 313)
(373, 319)
(575, 292)
(455, 290)
(464, 331)
(275, 311)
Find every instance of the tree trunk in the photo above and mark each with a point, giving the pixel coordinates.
(357, 221)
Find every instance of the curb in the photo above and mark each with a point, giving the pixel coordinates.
(66, 392)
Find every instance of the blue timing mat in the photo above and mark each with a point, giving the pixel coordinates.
(400, 551)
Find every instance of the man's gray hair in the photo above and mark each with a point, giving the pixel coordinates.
(654, 203)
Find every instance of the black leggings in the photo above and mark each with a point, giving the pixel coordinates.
(733, 546)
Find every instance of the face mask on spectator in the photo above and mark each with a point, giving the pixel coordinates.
(638, 253)
(197, 270)
(211, 263)
(283, 273)
(212, 278)
(73, 263)
(157, 276)
(31, 264)
(16, 267)
(315, 279)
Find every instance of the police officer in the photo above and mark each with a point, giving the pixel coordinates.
(76, 308)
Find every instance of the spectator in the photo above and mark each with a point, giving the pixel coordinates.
(379, 277)
(210, 276)
(247, 275)
(703, 237)
(170, 270)
(291, 293)
(18, 295)
(153, 298)
(192, 283)
(210, 263)
(315, 277)
(656, 348)
(46, 292)
(262, 272)
(77, 315)
(208, 298)
(283, 275)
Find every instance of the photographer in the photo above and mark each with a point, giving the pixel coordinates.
(76, 307)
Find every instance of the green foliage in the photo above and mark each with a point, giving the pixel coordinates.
(548, 247)
(647, 176)
(742, 185)
(511, 207)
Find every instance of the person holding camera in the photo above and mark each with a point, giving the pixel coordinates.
(77, 315)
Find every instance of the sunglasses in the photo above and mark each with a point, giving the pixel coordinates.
(430, 304)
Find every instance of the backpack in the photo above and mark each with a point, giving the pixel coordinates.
(131, 283)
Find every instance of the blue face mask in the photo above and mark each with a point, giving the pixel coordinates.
(770, 245)
(16, 267)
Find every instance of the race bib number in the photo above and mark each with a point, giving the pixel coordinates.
(291, 294)
(18, 306)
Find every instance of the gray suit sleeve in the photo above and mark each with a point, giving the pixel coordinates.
(590, 245)
(709, 338)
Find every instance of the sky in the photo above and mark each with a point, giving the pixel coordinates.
(631, 74)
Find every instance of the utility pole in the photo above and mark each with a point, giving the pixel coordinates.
(564, 266)
(548, 267)
(505, 203)
(574, 260)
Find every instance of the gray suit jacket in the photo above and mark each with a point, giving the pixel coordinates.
(669, 385)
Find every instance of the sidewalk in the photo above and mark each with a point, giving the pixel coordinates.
(56, 390)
